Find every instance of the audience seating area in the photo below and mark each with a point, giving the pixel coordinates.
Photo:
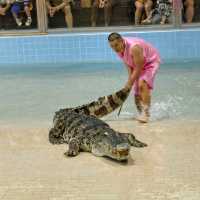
(122, 15)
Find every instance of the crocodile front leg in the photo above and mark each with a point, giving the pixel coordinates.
(74, 148)
(133, 141)
(55, 137)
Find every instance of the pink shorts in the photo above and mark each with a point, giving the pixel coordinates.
(148, 75)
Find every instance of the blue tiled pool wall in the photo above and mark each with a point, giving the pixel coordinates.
(176, 45)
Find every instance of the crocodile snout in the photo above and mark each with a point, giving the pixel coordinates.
(121, 152)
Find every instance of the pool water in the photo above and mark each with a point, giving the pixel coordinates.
(31, 94)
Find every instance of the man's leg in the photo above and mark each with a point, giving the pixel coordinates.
(68, 16)
(138, 103)
(143, 87)
(145, 101)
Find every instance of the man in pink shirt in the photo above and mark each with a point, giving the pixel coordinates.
(142, 61)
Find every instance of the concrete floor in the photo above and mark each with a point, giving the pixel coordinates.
(169, 168)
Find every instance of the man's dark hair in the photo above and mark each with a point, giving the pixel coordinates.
(114, 36)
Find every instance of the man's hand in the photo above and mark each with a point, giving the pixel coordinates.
(129, 83)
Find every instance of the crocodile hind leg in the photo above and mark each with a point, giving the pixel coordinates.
(133, 141)
(74, 148)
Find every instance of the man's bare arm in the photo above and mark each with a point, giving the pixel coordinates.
(137, 55)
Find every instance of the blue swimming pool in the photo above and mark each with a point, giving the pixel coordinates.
(40, 74)
(32, 94)
(174, 45)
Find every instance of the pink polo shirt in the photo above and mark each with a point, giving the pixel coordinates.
(151, 54)
(151, 60)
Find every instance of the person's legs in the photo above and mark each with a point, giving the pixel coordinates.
(15, 9)
(148, 20)
(163, 19)
(189, 13)
(138, 11)
(27, 10)
(145, 101)
(156, 19)
(108, 12)
(148, 7)
(28, 14)
(170, 19)
(68, 16)
(138, 103)
(142, 90)
(94, 12)
(145, 94)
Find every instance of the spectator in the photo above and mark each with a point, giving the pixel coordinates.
(107, 5)
(140, 5)
(22, 5)
(189, 10)
(54, 6)
(4, 6)
(161, 14)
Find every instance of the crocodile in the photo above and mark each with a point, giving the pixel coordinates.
(90, 134)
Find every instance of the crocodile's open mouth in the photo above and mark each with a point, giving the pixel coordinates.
(120, 154)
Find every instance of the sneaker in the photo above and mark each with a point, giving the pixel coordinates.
(18, 22)
(28, 21)
(143, 117)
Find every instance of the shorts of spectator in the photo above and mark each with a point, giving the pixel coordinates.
(161, 14)
(189, 10)
(107, 5)
(20, 6)
(141, 5)
(54, 6)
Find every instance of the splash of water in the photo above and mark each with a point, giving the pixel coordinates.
(171, 107)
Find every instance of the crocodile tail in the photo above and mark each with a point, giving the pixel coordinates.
(104, 105)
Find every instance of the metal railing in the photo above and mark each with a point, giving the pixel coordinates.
(42, 23)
